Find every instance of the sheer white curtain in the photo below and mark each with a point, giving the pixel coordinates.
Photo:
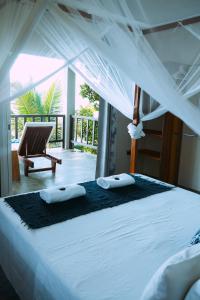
(108, 45)
(134, 55)
(190, 84)
(17, 22)
(105, 78)
(56, 37)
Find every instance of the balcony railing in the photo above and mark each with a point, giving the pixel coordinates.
(58, 136)
(84, 131)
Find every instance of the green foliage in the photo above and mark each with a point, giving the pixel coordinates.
(85, 149)
(83, 132)
(29, 103)
(86, 126)
(33, 103)
(91, 95)
(87, 111)
(52, 100)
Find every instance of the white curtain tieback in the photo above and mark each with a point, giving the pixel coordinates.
(136, 132)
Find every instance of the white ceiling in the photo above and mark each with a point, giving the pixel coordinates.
(158, 12)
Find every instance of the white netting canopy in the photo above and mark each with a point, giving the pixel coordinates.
(113, 45)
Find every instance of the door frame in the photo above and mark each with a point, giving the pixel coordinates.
(5, 148)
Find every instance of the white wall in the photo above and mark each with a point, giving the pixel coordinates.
(189, 171)
(5, 145)
(70, 104)
(164, 11)
(175, 46)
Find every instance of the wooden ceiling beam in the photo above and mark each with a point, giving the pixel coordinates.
(188, 21)
(69, 10)
(172, 25)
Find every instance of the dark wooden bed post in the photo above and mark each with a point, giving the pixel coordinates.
(136, 120)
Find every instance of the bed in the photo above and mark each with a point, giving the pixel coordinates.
(109, 254)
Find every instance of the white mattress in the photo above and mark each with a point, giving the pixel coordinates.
(107, 255)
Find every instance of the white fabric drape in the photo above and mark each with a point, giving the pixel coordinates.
(17, 22)
(108, 46)
(143, 66)
(102, 76)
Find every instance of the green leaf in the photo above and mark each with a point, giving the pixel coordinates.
(38, 104)
(29, 103)
(87, 111)
(91, 95)
(51, 101)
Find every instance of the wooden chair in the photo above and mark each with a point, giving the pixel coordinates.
(33, 144)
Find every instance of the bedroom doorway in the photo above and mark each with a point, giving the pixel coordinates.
(74, 139)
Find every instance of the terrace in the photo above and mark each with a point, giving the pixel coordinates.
(77, 166)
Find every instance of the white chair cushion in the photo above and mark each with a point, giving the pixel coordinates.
(194, 292)
(175, 277)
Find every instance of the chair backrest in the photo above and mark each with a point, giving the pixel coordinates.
(34, 138)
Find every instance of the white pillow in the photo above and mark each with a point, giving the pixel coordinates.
(194, 292)
(174, 278)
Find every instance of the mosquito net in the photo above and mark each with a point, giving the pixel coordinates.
(114, 45)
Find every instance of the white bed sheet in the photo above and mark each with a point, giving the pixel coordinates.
(109, 254)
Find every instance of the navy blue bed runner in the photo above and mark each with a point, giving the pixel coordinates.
(35, 213)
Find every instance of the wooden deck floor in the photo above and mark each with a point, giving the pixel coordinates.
(76, 167)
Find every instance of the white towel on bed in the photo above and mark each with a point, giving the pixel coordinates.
(62, 193)
(115, 181)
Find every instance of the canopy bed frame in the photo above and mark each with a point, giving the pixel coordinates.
(111, 253)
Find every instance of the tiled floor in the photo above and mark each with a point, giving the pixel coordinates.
(76, 167)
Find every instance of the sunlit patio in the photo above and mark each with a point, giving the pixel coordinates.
(76, 167)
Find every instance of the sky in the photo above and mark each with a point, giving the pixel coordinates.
(29, 68)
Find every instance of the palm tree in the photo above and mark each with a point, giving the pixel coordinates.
(32, 102)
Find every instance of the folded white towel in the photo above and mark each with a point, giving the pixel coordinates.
(115, 181)
(62, 193)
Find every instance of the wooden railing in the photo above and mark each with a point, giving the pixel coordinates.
(84, 131)
(58, 136)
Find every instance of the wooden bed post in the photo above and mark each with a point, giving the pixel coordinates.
(136, 120)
